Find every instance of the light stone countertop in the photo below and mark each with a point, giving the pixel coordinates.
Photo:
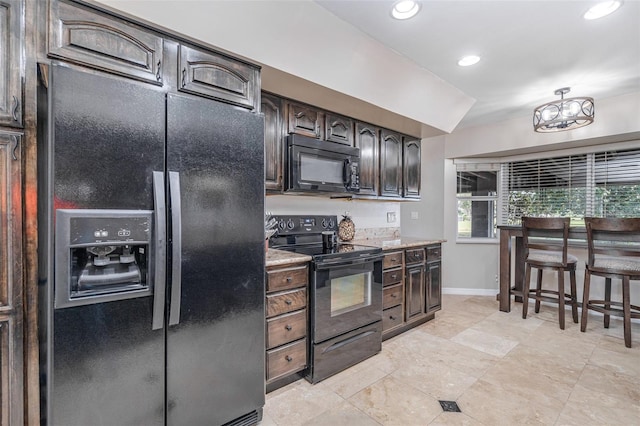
(388, 244)
(276, 257)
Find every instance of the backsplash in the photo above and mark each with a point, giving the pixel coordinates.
(368, 215)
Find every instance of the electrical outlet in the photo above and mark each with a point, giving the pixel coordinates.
(414, 215)
(391, 217)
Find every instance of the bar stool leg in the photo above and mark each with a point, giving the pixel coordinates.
(585, 300)
(525, 291)
(626, 311)
(561, 298)
(574, 293)
(607, 299)
(538, 290)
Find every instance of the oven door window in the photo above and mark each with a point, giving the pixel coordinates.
(350, 292)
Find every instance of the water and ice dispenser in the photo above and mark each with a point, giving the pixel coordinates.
(102, 255)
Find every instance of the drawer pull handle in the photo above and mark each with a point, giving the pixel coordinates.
(288, 358)
(392, 318)
(288, 327)
(394, 276)
(289, 279)
(299, 114)
(394, 260)
(158, 78)
(288, 302)
(394, 295)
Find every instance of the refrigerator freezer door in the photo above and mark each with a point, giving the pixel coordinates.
(215, 354)
(104, 363)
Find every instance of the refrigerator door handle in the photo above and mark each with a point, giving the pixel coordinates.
(176, 251)
(160, 232)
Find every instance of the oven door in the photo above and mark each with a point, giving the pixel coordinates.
(345, 296)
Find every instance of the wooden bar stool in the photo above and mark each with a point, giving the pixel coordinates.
(545, 247)
(614, 252)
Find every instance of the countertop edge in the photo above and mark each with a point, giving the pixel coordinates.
(397, 243)
(275, 257)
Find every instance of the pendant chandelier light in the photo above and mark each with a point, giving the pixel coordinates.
(563, 114)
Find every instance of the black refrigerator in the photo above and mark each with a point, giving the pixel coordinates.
(151, 243)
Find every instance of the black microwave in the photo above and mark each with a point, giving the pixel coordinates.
(319, 166)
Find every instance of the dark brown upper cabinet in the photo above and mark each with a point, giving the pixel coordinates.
(271, 107)
(218, 77)
(88, 38)
(366, 138)
(338, 129)
(11, 39)
(305, 120)
(390, 164)
(411, 168)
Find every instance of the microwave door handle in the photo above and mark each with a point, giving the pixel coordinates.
(160, 242)
(176, 252)
(346, 173)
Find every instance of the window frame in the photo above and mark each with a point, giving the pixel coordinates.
(479, 167)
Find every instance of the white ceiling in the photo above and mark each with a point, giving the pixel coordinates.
(528, 49)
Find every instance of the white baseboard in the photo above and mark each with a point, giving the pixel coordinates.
(470, 291)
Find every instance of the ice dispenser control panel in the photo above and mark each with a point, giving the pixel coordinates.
(102, 255)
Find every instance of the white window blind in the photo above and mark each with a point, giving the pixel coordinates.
(604, 184)
(617, 184)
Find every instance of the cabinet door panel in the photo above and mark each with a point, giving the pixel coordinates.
(414, 285)
(434, 286)
(10, 223)
(338, 129)
(304, 120)
(367, 141)
(273, 141)
(217, 77)
(11, 372)
(390, 164)
(88, 38)
(11, 40)
(411, 169)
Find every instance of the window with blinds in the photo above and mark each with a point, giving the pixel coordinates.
(605, 184)
(477, 197)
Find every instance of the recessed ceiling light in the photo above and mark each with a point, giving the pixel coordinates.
(602, 9)
(469, 60)
(405, 9)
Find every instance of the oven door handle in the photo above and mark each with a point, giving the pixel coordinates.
(346, 262)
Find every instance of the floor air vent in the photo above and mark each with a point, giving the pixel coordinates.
(450, 406)
(250, 419)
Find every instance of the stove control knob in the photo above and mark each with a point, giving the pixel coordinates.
(290, 224)
(324, 223)
(331, 223)
(281, 224)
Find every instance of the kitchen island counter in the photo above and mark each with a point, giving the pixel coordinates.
(387, 244)
(276, 257)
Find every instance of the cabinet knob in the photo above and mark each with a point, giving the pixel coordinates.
(288, 358)
(394, 276)
(394, 295)
(288, 302)
(392, 318)
(288, 327)
(289, 279)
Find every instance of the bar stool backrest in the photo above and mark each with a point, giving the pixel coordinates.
(613, 238)
(548, 234)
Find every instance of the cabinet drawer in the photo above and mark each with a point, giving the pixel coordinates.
(289, 278)
(392, 276)
(281, 303)
(414, 256)
(392, 260)
(92, 39)
(287, 359)
(391, 318)
(392, 296)
(218, 77)
(286, 328)
(434, 253)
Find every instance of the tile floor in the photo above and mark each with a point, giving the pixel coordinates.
(499, 368)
